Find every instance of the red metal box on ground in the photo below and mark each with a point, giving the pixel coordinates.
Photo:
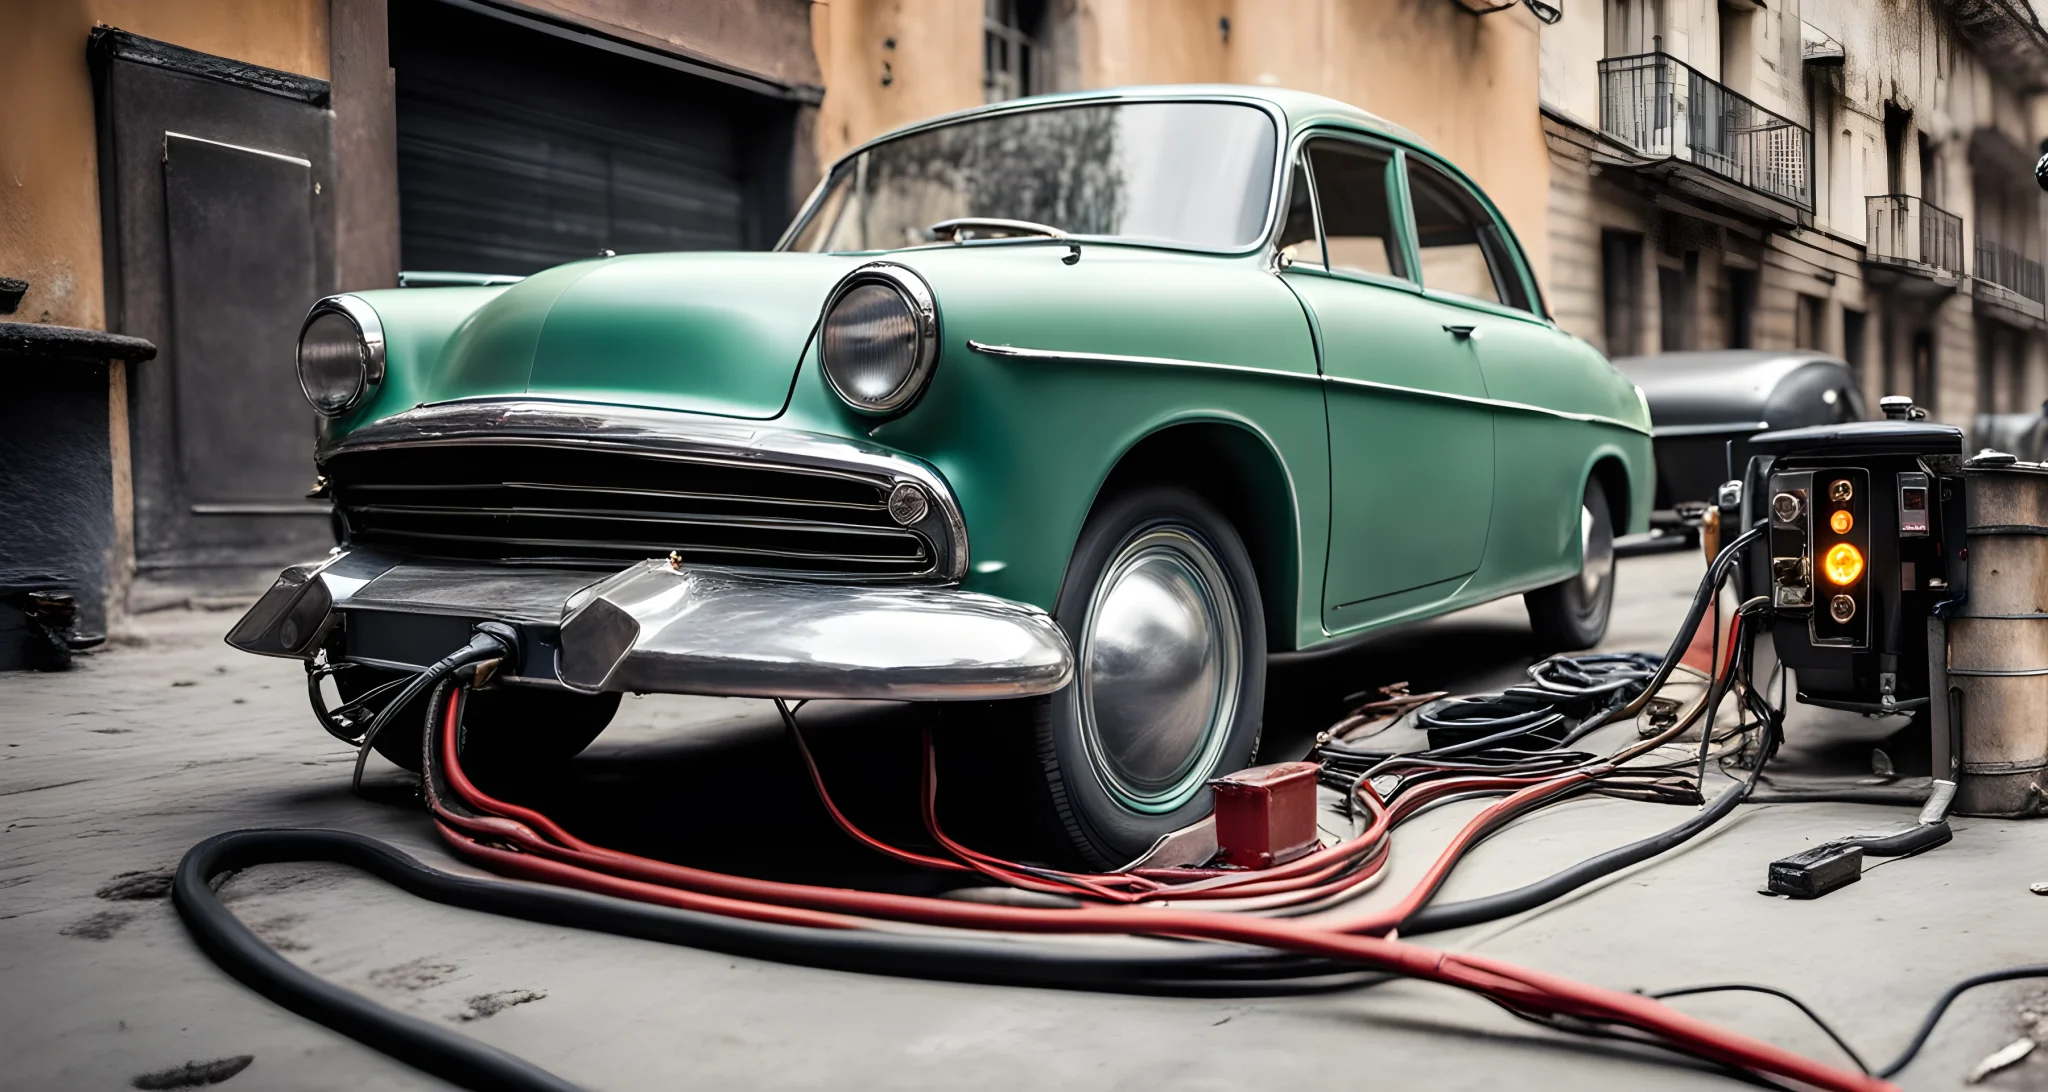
(1266, 815)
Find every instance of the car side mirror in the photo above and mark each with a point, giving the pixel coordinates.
(2041, 167)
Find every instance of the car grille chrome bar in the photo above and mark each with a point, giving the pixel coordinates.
(711, 494)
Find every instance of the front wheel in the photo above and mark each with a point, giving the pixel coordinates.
(1572, 613)
(1162, 607)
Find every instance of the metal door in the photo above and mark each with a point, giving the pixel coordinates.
(214, 180)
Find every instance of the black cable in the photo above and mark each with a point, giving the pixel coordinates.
(491, 641)
(1920, 1037)
(1710, 586)
(1750, 987)
(1456, 915)
(1934, 1015)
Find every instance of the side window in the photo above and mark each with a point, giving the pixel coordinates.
(1458, 243)
(1358, 223)
(1298, 235)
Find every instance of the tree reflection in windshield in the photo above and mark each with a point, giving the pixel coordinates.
(1191, 173)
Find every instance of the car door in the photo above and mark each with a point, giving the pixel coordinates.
(1536, 377)
(1411, 437)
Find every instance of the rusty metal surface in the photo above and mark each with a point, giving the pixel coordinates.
(1998, 647)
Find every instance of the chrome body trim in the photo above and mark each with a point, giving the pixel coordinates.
(1015, 352)
(655, 628)
(1018, 353)
(671, 435)
(1663, 432)
(368, 325)
(924, 313)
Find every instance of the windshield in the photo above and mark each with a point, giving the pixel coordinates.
(1188, 173)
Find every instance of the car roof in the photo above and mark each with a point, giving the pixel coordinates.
(1302, 109)
(1722, 385)
(1762, 366)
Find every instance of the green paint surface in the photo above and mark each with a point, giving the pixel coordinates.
(1445, 472)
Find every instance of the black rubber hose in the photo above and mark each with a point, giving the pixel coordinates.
(1914, 839)
(239, 951)
(1245, 969)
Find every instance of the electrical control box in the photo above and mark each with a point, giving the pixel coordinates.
(1856, 558)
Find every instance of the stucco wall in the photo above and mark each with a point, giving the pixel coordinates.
(49, 196)
(888, 63)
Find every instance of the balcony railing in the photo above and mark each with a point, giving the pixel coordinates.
(1657, 105)
(1905, 229)
(2002, 266)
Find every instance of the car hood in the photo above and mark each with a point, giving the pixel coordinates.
(717, 333)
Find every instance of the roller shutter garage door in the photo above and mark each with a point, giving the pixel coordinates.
(519, 150)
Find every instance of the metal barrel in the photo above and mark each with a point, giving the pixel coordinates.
(1998, 645)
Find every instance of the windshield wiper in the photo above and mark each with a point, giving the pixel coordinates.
(961, 229)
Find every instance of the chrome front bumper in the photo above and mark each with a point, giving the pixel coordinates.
(654, 628)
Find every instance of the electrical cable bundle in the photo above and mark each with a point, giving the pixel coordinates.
(1210, 952)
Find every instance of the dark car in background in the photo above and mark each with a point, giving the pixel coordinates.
(2021, 434)
(1704, 407)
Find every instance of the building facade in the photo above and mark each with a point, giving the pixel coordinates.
(1842, 175)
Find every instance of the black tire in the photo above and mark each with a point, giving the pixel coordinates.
(507, 729)
(1165, 528)
(1572, 613)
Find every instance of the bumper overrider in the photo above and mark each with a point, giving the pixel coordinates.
(663, 624)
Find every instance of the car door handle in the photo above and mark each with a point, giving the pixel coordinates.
(1464, 331)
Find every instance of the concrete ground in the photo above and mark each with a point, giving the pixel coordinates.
(108, 773)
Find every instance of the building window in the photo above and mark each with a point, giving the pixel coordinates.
(1809, 328)
(1012, 49)
(1741, 308)
(1923, 371)
(1855, 342)
(1670, 309)
(1621, 291)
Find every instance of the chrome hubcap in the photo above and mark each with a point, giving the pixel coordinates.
(1596, 548)
(1159, 662)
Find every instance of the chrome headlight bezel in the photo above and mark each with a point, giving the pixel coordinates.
(370, 340)
(917, 298)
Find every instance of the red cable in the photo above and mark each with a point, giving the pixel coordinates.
(800, 904)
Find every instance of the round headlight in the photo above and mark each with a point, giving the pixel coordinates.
(341, 354)
(880, 339)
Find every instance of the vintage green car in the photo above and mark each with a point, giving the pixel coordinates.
(1087, 403)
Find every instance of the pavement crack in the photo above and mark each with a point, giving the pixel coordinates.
(40, 788)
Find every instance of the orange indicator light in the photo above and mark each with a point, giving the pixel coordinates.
(1841, 522)
(1843, 564)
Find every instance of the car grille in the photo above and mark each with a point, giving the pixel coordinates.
(564, 505)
